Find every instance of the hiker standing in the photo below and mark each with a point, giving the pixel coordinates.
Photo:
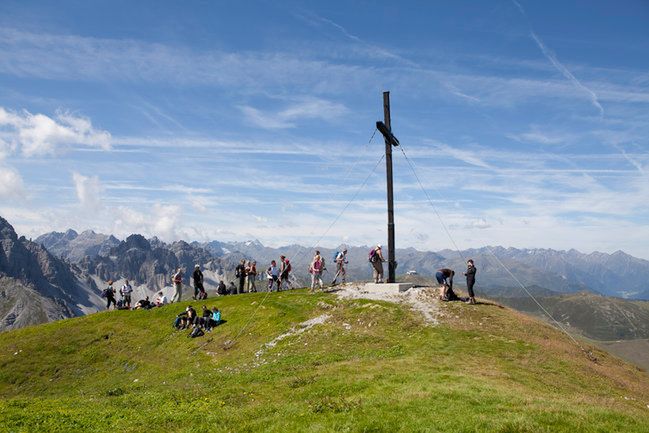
(284, 272)
(445, 278)
(240, 273)
(340, 259)
(273, 275)
(251, 273)
(470, 280)
(177, 279)
(126, 291)
(110, 295)
(199, 290)
(376, 259)
(315, 269)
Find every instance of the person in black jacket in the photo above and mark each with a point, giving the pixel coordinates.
(109, 293)
(470, 280)
(222, 290)
(199, 290)
(240, 273)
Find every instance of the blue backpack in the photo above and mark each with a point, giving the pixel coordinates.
(335, 257)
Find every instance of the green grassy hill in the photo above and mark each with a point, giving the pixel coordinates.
(371, 366)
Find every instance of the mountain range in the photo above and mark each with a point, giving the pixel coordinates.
(60, 274)
(617, 274)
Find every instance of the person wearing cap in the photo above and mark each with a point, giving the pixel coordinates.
(377, 260)
(198, 283)
(341, 261)
(186, 318)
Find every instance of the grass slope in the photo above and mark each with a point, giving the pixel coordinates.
(371, 367)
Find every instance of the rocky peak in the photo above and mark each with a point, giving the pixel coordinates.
(70, 235)
(7, 231)
(137, 241)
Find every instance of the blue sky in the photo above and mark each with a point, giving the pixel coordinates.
(527, 122)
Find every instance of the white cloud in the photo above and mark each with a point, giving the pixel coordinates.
(467, 155)
(200, 203)
(160, 220)
(11, 183)
(537, 137)
(38, 134)
(89, 191)
(307, 109)
(480, 223)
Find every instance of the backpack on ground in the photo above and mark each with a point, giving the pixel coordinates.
(196, 332)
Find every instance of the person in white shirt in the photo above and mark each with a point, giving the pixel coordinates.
(161, 300)
(178, 285)
(341, 261)
(126, 291)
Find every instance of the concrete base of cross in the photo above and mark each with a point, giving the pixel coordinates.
(388, 287)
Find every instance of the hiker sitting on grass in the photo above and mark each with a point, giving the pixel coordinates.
(185, 319)
(161, 300)
(216, 318)
(143, 304)
(221, 289)
(206, 315)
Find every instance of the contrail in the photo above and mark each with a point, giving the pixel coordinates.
(549, 54)
(566, 73)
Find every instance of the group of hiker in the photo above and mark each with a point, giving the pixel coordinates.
(278, 276)
(318, 266)
(124, 303)
(445, 279)
(189, 319)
